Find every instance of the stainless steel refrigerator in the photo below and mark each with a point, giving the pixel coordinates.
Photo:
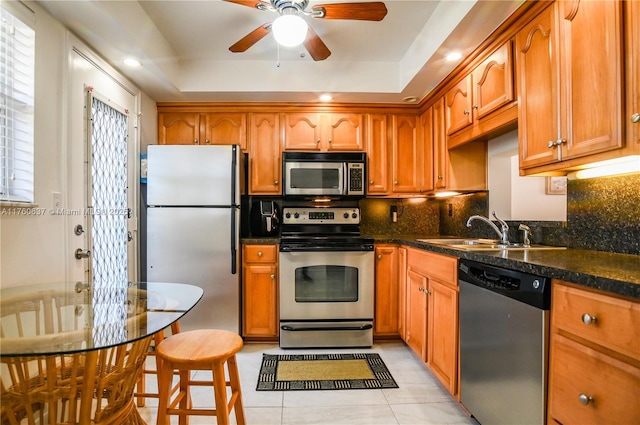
(193, 221)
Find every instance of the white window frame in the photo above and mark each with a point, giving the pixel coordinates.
(17, 94)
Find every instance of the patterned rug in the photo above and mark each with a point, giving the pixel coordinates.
(291, 372)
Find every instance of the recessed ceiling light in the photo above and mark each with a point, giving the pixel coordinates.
(132, 62)
(410, 99)
(325, 97)
(453, 56)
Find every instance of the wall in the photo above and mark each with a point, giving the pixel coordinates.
(514, 197)
(35, 248)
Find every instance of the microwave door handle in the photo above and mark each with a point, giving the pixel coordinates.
(345, 178)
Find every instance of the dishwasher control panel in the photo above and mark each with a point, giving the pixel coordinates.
(528, 288)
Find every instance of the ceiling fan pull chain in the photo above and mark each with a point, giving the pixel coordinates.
(278, 61)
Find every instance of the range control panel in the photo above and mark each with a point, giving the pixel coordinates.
(321, 216)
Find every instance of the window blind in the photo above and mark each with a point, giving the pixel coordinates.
(17, 68)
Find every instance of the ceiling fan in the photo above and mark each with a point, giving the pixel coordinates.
(292, 9)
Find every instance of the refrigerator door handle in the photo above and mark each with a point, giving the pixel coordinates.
(234, 250)
(234, 174)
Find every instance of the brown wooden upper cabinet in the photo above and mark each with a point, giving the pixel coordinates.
(408, 165)
(324, 131)
(570, 81)
(485, 90)
(378, 154)
(265, 164)
(194, 128)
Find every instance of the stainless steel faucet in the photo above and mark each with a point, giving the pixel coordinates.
(504, 233)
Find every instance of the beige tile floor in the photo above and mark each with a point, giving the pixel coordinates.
(420, 400)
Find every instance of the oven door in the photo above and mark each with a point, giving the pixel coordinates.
(324, 285)
(314, 178)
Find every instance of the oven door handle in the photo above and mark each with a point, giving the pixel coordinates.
(325, 328)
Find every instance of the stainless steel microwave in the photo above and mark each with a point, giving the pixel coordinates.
(324, 174)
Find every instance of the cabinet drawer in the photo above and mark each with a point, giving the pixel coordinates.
(260, 253)
(578, 371)
(438, 266)
(616, 320)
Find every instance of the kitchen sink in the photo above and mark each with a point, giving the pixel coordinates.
(484, 245)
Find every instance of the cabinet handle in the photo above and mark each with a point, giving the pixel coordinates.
(466, 112)
(440, 177)
(276, 182)
(474, 107)
(259, 253)
(588, 319)
(558, 142)
(206, 141)
(318, 142)
(195, 141)
(370, 181)
(585, 399)
(551, 144)
(330, 141)
(379, 256)
(273, 276)
(421, 289)
(635, 118)
(395, 182)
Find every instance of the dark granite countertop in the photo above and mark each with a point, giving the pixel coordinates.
(260, 240)
(607, 271)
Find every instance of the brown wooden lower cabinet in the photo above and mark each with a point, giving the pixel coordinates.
(431, 312)
(386, 315)
(594, 359)
(260, 292)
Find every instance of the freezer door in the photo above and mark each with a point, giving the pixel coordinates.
(193, 175)
(194, 245)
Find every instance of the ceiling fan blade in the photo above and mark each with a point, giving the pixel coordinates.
(316, 47)
(252, 38)
(375, 11)
(250, 3)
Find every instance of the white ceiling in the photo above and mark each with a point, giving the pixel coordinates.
(183, 46)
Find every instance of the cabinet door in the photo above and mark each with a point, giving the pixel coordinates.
(632, 42)
(178, 128)
(442, 357)
(416, 319)
(493, 82)
(538, 87)
(591, 70)
(343, 132)
(590, 387)
(224, 129)
(260, 293)
(440, 152)
(302, 131)
(458, 105)
(406, 154)
(402, 292)
(427, 173)
(385, 317)
(265, 165)
(378, 154)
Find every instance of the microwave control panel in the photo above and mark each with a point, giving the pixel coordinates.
(355, 176)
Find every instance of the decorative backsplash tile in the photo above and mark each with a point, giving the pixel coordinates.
(415, 217)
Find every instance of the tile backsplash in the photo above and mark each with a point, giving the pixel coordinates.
(603, 214)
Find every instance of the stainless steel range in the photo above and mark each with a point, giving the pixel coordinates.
(326, 279)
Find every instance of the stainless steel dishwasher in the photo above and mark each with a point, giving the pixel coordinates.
(504, 334)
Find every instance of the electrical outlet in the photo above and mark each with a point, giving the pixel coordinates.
(56, 200)
(393, 211)
(450, 210)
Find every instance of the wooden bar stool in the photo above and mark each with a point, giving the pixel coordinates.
(141, 391)
(205, 349)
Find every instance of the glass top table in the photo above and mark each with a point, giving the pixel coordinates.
(73, 352)
(64, 318)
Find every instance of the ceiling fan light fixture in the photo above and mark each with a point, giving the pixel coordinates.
(289, 30)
